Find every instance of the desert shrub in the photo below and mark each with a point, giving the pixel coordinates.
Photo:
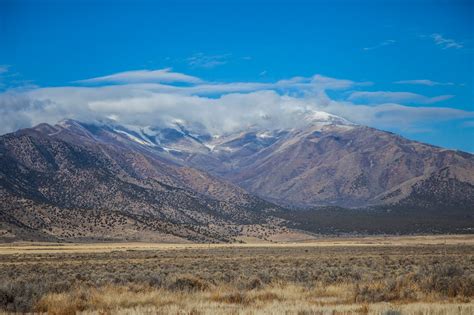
(18, 296)
(7, 299)
(266, 277)
(255, 283)
(21, 294)
(446, 279)
(388, 290)
(188, 283)
(155, 281)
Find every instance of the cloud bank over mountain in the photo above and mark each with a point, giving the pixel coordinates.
(151, 97)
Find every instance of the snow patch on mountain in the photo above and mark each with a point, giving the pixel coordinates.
(136, 139)
(313, 116)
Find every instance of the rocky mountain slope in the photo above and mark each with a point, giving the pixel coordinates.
(180, 182)
(65, 181)
(326, 161)
(344, 165)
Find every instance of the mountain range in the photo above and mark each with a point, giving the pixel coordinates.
(84, 181)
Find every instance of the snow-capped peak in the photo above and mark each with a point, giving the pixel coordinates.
(320, 117)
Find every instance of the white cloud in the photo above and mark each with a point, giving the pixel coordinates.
(388, 97)
(395, 116)
(423, 82)
(444, 42)
(328, 83)
(201, 60)
(221, 107)
(162, 75)
(380, 45)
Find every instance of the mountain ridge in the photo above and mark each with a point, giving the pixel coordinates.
(181, 183)
(73, 170)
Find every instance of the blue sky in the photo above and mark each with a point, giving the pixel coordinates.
(415, 54)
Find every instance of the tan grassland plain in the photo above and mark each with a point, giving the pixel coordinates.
(370, 275)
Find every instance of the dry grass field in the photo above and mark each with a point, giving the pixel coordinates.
(378, 275)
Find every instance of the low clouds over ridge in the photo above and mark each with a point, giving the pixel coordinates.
(151, 97)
